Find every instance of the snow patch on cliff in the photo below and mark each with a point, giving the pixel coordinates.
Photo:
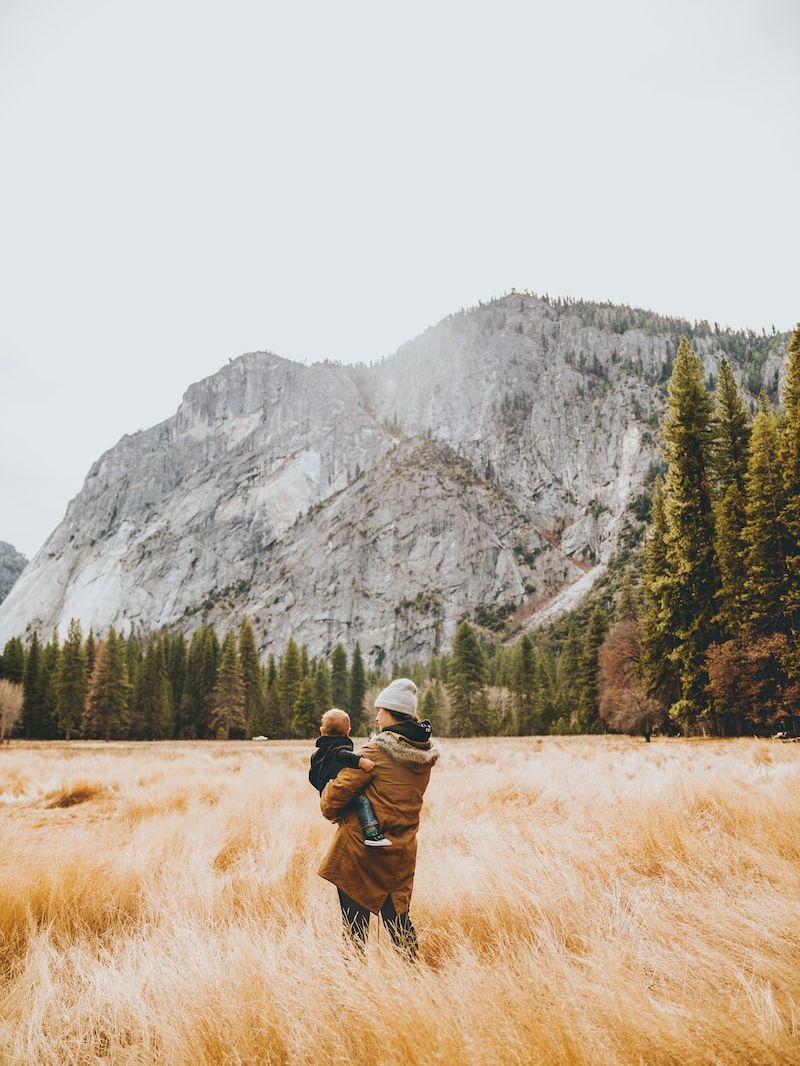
(631, 442)
(568, 599)
(292, 491)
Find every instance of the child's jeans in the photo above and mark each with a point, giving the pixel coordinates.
(366, 815)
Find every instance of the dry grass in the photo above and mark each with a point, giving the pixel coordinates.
(593, 901)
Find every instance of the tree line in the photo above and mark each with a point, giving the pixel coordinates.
(714, 646)
(116, 687)
(165, 687)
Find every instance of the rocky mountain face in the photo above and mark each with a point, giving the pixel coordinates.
(12, 563)
(486, 470)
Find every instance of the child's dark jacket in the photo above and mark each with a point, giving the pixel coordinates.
(331, 755)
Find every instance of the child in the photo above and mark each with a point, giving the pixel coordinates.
(335, 750)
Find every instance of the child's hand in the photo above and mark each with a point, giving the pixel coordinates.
(366, 764)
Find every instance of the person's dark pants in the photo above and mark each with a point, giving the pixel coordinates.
(401, 930)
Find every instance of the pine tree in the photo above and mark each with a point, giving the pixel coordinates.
(34, 686)
(548, 686)
(51, 658)
(322, 687)
(567, 692)
(729, 455)
(430, 705)
(467, 683)
(525, 689)
(729, 546)
(493, 667)
(91, 653)
(14, 660)
(790, 469)
(201, 677)
(228, 697)
(175, 658)
(339, 680)
(589, 671)
(691, 584)
(289, 678)
(627, 607)
(271, 672)
(151, 709)
(305, 717)
(504, 666)
(791, 388)
(730, 433)
(134, 657)
(251, 673)
(166, 717)
(107, 714)
(271, 720)
(273, 723)
(764, 547)
(658, 664)
(72, 681)
(358, 690)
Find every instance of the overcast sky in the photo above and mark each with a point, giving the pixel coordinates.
(184, 181)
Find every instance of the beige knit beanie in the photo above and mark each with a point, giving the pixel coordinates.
(399, 696)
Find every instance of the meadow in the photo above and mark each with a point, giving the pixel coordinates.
(579, 900)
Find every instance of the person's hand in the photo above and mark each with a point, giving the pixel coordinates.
(366, 764)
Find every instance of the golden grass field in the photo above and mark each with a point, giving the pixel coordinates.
(578, 900)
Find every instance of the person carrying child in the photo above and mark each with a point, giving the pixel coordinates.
(382, 882)
(334, 752)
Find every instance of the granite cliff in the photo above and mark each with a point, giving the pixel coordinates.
(486, 467)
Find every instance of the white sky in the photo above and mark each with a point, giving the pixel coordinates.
(183, 181)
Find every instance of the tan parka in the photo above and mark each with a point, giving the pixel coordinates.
(368, 875)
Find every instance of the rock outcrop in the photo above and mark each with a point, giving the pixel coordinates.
(487, 465)
(12, 563)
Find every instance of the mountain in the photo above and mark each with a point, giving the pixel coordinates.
(488, 465)
(12, 563)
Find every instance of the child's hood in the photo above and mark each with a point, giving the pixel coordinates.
(334, 742)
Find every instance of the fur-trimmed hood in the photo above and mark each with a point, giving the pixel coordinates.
(410, 753)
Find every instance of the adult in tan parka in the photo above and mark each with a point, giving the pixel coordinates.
(380, 880)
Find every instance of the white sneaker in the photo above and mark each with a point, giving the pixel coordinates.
(378, 842)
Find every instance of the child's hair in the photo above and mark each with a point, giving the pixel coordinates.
(335, 723)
